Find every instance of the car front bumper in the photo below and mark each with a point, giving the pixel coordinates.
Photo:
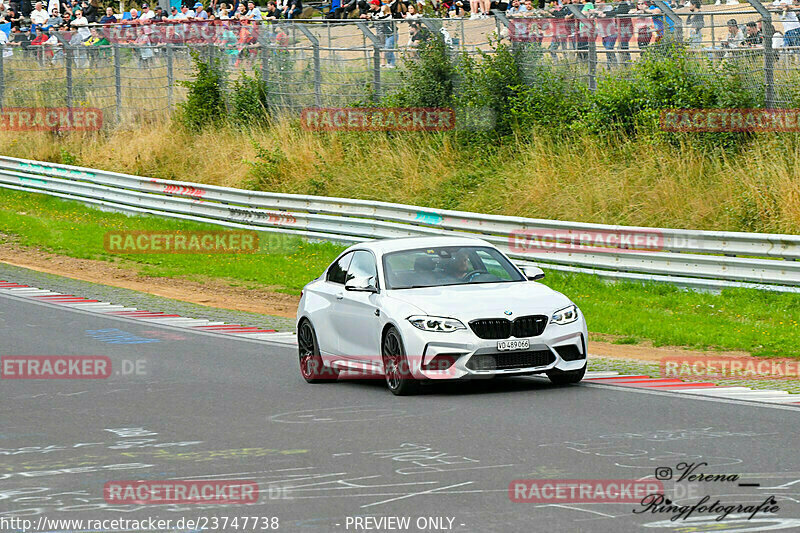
(560, 347)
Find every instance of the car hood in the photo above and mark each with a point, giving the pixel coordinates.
(483, 300)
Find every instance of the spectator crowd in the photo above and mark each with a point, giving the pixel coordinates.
(556, 24)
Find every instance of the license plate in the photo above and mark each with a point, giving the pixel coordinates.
(504, 346)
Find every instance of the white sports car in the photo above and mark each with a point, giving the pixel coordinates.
(428, 308)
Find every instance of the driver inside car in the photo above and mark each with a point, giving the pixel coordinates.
(460, 265)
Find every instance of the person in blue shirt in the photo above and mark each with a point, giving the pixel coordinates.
(658, 23)
(109, 17)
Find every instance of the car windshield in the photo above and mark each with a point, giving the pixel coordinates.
(447, 265)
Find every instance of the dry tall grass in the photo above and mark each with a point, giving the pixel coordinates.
(584, 179)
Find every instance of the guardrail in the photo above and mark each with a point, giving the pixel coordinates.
(697, 259)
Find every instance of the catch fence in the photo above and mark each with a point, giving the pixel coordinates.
(320, 62)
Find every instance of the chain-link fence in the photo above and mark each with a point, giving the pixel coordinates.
(135, 72)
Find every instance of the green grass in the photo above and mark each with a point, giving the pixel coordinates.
(759, 322)
(283, 262)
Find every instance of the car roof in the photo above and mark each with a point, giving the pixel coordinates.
(384, 246)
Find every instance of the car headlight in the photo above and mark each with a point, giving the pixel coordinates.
(436, 323)
(565, 316)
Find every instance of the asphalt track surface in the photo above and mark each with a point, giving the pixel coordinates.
(205, 406)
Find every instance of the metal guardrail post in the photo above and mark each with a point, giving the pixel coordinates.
(2, 76)
(376, 59)
(592, 38)
(170, 77)
(713, 33)
(69, 64)
(264, 58)
(434, 25)
(317, 67)
(769, 59)
(117, 81)
(674, 17)
(263, 42)
(500, 20)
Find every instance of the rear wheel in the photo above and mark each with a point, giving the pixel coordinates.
(311, 366)
(568, 377)
(396, 367)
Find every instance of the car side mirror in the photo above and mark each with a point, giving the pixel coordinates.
(361, 284)
(533, 273)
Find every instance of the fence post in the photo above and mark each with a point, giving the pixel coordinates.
(376, 59)
(317, 69)
(118, 81)
(68, 61)
(584, 21)
(263, 42)
(2, 76)
(170, 78)
(713, 35)
(769, 59)
(330, 45)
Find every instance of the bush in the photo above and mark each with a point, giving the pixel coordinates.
(265, 172)
(549, 101)
(487, 84)
(426, 81)
(205, 103)
(631, 102)
(250, 101)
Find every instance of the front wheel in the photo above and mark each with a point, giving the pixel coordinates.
(396, 367)
(568, 377)
(311, 366)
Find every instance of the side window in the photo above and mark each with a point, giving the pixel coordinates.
(362, 266)
(337, 271)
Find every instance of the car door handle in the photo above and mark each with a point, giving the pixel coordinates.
(340, 296)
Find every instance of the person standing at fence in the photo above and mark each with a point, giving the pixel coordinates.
(735, 37)
(754, 37)
(384, 28)
(643, 25)
(696, 24)
(559, 30)
(607, 28)
(791, 26)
